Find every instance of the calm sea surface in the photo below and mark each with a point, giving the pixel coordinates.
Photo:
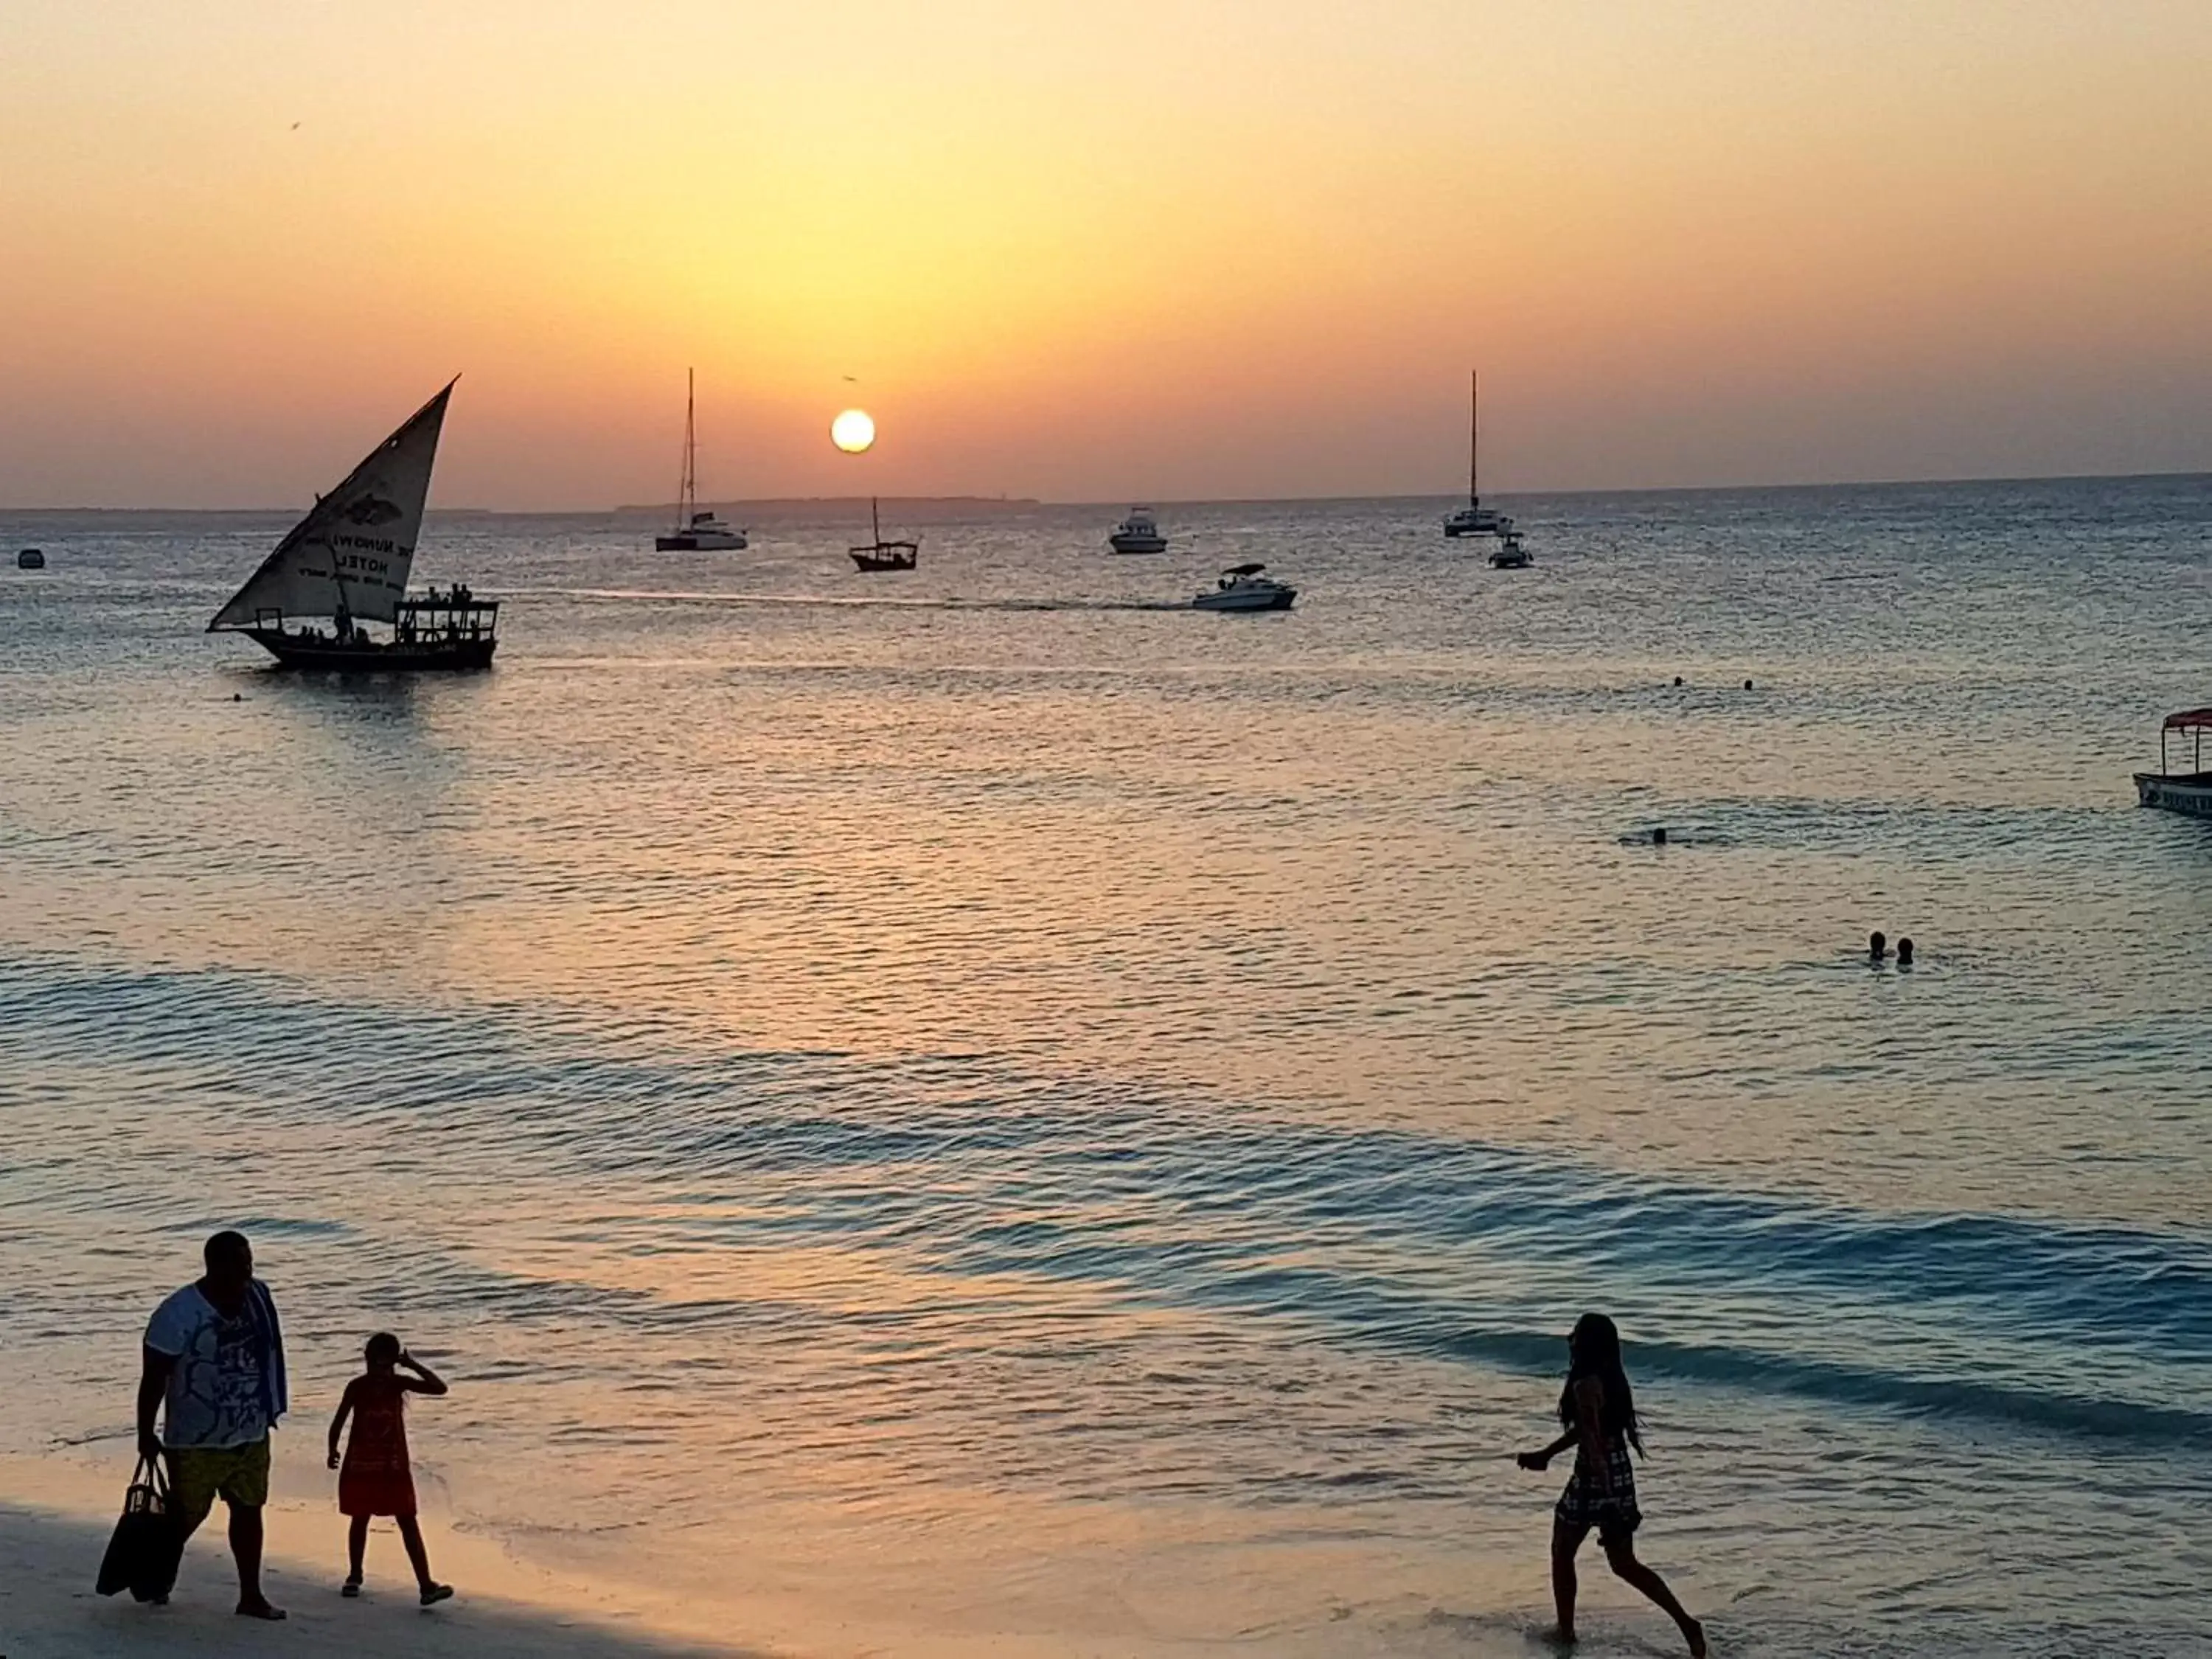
(1024, 1113)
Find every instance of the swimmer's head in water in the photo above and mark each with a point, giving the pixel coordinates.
(1877, 944)
(1904, 953)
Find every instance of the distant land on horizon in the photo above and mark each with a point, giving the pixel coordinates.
(943, 508)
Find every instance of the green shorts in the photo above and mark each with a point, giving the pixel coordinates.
(200, 1475)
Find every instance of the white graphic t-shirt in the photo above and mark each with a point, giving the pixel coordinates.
(214, 1392)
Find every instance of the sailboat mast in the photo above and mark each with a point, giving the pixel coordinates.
(688, 489)
(875, 524)
(1474, 439)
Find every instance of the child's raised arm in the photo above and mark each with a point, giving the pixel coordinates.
(338, 1422)
(425, 1381)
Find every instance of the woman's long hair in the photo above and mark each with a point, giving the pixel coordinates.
(1596, 1345)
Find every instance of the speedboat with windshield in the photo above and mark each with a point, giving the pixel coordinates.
(1138, 533)
(1511, 553)
(1245, 588)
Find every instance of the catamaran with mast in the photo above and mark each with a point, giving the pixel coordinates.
(695, 531)
(348, 561)
(1474, 519)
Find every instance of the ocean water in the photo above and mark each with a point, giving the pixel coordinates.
(984, 1108)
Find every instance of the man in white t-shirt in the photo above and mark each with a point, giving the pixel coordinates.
(213, 1366)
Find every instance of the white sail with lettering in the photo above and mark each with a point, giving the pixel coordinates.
(351, 554)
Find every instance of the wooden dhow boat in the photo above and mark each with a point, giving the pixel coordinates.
(347, 563)
(880, 554)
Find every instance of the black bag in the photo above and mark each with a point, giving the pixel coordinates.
(143, 1555)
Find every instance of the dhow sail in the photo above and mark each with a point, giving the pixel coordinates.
(350, 556)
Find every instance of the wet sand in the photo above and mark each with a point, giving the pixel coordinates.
(56, 1517)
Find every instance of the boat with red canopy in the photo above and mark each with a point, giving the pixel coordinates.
(2189, 792)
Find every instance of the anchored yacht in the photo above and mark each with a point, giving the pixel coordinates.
(695, 531)
(1474, 519)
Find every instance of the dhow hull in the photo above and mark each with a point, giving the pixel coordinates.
(419, 656)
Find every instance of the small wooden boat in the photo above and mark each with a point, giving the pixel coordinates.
(880, 554)
(2189, 792)
(30, 559)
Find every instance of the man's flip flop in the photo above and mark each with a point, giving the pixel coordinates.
(350, 1589)
(433, 1594)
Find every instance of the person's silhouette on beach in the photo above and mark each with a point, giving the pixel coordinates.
(213, 1367)
(1597, 1409)
(375, 1476)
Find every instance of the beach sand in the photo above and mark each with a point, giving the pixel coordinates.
(48, 1611)
(58, 1514)
(53, 1535)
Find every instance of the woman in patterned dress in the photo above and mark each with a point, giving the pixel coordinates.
(375, 1477)
(1597, 1410)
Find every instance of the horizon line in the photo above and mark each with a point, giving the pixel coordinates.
(641, 509)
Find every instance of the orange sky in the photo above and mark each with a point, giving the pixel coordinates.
(1158, 249)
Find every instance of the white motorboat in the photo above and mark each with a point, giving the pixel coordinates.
(1138, 533)
(1242, 587)
(1510, 554)
(2189, 792)
(1474, 519)
(695, 531)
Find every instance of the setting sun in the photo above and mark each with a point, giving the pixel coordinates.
(853, 431)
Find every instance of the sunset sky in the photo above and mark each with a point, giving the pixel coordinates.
(1152, 249)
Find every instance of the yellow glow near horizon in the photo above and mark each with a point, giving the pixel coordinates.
(854, 431)
(1730, 240)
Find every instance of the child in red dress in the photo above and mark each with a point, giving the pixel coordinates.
(375, 1477)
